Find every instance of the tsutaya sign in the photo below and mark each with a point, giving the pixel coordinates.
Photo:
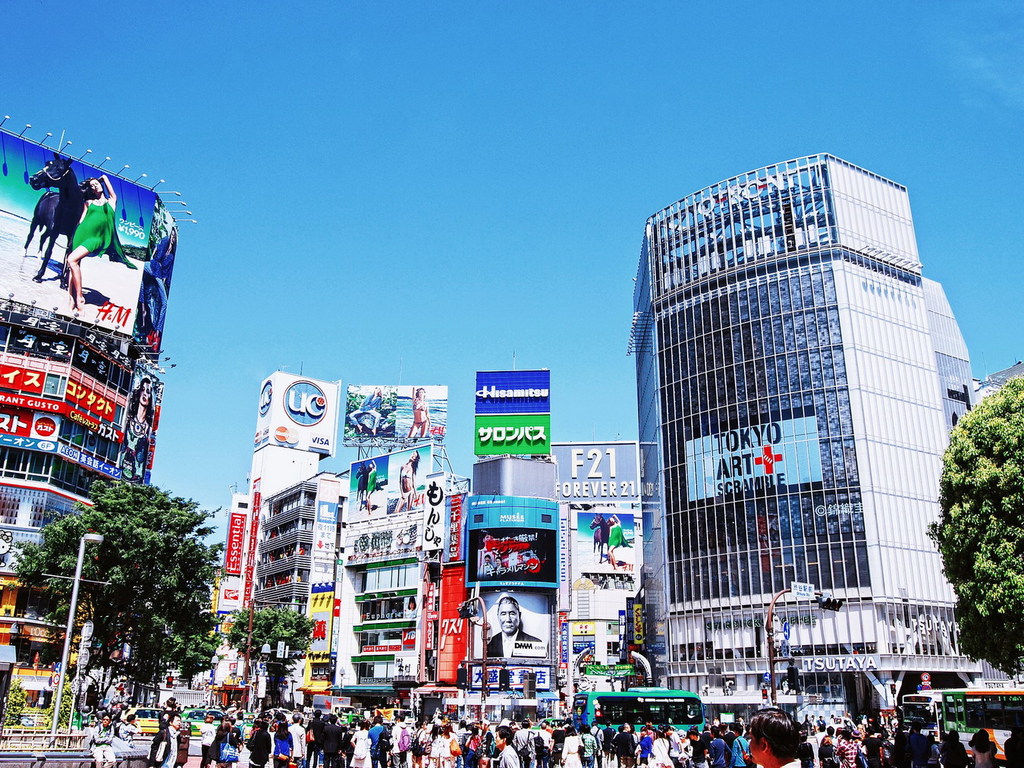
(761, 457)
(855, 663)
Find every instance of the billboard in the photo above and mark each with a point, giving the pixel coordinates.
(504, 392)
(141, 419)
(519, 625)
(51, 204)
(235, 544)
(389, 484)
(595, 472)
(604, 541)
(767, 457)
(520, 434)
(325, 529)
(513, 556)
(376, 414)
(297, 412)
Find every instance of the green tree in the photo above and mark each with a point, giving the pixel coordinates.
(16, 702)
(980, 532)
(67, 702)
(154, 612)
(270, 626)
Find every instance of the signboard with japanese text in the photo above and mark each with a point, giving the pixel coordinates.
(434, 512)
(513, 556)
(453, 527)
(515, 434)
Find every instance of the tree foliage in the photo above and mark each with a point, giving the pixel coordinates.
(271, 625)
(980, 533)
(160, 572)
(16, 703)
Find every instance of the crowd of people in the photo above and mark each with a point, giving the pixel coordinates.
(771, 739)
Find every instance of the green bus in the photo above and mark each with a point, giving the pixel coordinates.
(969, 710)
(659, 706)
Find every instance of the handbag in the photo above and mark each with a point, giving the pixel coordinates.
(228, 752)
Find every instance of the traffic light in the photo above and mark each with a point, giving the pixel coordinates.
(504, 679)
(170, 681)
(462, 678)
(892, 688)
(828, 603)
(468, 609)
(793, 678)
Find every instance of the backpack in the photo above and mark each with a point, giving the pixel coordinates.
(404, 740)
(540, 747)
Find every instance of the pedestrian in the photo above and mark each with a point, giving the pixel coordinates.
(445, 748)
(207, 733)
(625, 746)
(740, 747)
(847, 748)
(283, 745)
(163, 752)
(401, 736)
(805, 752)
(523, 744)
(917, 746)
(375, 734)
(225, 744)
(298, 734)
(952, 753)
(1013, 748)
(101, 743)
(589, 749)
(332, 738)
(184, 738)
(645, 745)
(774, 737)
(718, 750)
(473, 742)
(571, 749)
(421, 746)
(984, 750)
(361, 746)
(608, 746)
(661, 748)
(128, 730)
(503, 743)
(260, 745)
(315, 745)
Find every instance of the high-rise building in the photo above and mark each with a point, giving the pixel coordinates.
(80, 388)
(797, 377)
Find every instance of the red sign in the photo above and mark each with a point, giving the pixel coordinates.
(32, 403)
(454, 631)
(46, 426)
(389, 648)
(22, 379)
(254, 523)
(90, 400)
(235, 544)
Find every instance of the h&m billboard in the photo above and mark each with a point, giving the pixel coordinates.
(95, 247)
(383, 415)
(298, 412)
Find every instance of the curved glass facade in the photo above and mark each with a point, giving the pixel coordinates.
(792, 415)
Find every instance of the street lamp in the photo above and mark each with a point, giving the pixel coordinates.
(89, 538)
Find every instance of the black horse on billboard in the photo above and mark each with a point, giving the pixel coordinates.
(56, 213)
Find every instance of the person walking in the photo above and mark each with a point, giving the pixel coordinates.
(952, 753)
(589, 749)
(333, 734)
(984, 750)
(184, 738)
(361, 746)
(421, 746)
(283, 745)
(774, 737)
(571, 748)
(507, 757)
(315, 745)
(401, 737)
(298, 734)
(260, 745)
(625, 747)
(522, 742)
(207, 733)
(226, 741)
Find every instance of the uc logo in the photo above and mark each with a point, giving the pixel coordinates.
(266, 397)
(305, 404)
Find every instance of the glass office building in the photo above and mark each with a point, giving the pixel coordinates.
(797, 378)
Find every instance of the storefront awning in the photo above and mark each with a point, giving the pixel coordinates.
(547, 696)
(316, 686)
(437, 690)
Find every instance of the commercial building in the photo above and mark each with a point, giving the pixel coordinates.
(80, 388)
(797, 376)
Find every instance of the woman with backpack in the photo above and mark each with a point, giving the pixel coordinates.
(805, 752)
(421, 746)
(827, 753)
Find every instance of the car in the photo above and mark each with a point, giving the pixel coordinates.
(196, 716)
(148, 720)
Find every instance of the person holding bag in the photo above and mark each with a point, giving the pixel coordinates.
(226, 744)
(283, 745)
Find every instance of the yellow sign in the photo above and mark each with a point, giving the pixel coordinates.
(638, 623)
(582, 627)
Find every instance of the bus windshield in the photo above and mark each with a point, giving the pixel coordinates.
(617, 710)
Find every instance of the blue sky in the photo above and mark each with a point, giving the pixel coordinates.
(408, 192)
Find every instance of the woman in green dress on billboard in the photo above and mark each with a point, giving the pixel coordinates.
(96, 233)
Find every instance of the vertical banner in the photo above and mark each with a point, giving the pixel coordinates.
(250, 558)
(564, 550)
(623, 651)
(454, 527)
(563, 640)
(235, 544)
(433, 513)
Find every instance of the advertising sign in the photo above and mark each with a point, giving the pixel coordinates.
(235, 544)
(513, 556)
(516, 674)
(605, 538)
(114, 227)
(453, 527)
(528, 434)
(595, 472)
(376, 414)
(519, 624)
(325, 528)
(24, 423)
(390, 484)
(434, 509)
(504, 392)
(452, 635)
(141, 419)
(768, 457)
(321, 609)
(249, 577)
(298, 412)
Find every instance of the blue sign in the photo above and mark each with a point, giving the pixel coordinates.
(78, 457)
(503, 392)
(305, 403)
(29, 443)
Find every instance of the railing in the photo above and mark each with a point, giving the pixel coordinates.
(32, 740)
(68, 757)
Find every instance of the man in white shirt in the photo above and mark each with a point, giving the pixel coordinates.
(208, 732)
(298, 734)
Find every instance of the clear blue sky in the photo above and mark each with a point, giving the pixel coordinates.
(408, 192)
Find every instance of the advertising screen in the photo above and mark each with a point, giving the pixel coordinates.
(519, 625)
(297, 412)
(390, 484)
(593, 472)
(767, 457)
(605, 540)
(503, 392)
(513, 556)
(377, 413)
(124, 231)
(518, 434)
(141, 420)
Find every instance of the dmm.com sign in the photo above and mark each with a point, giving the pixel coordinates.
(516, 434)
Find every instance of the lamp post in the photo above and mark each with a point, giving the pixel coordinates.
(89, 538)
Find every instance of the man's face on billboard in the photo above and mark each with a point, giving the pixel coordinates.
(508, 617)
